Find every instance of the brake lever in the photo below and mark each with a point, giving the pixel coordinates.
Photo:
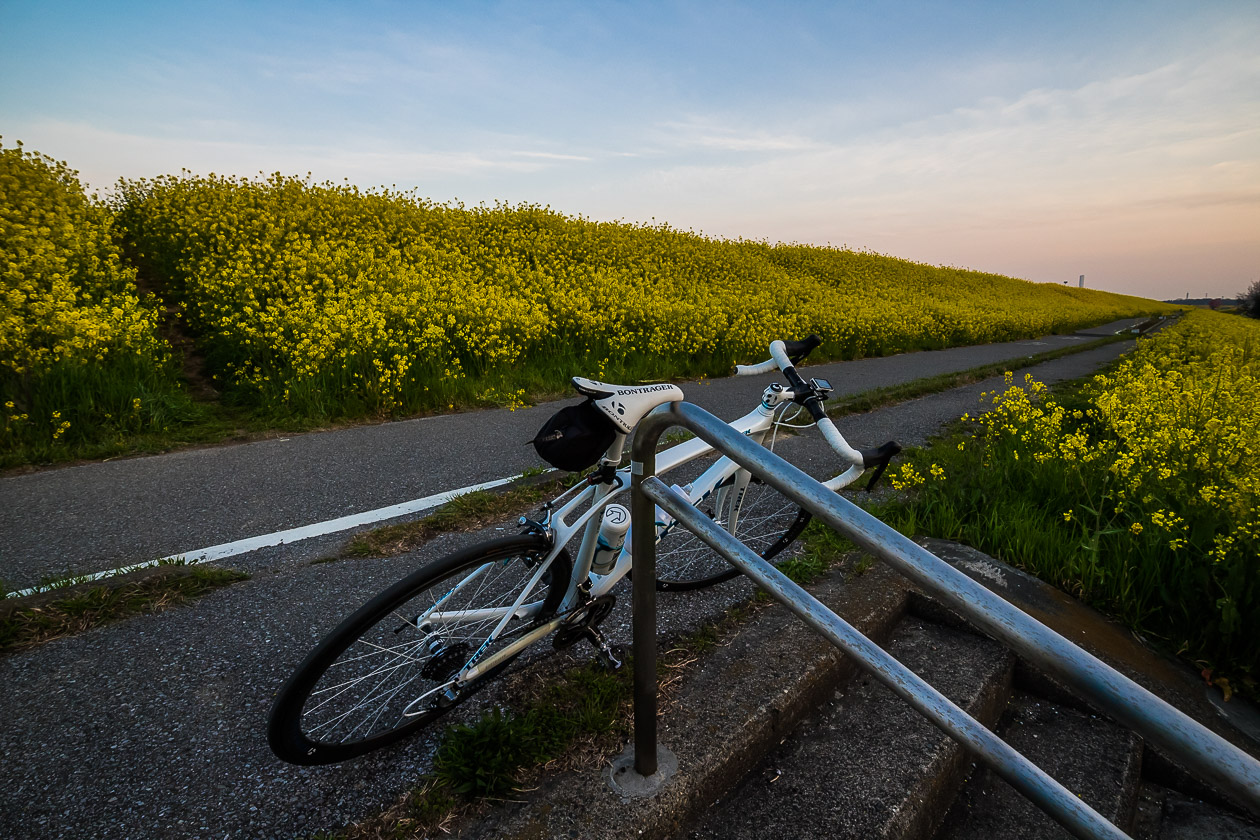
(879, 471)
(879, 458)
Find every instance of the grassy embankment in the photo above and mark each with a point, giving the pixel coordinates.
(296, 304)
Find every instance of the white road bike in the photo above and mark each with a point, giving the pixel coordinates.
(433, 639)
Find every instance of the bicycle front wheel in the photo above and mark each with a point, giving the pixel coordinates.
(758, 515)
(389, 669)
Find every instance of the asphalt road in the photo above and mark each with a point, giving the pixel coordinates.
(154, 726)
(100, 516)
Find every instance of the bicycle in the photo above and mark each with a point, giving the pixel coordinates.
(433, 639)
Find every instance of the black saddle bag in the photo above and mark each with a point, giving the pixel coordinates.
(575, 437)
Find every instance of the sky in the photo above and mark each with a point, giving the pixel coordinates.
(1119, 140)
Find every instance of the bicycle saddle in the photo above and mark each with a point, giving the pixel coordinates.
(625, 405)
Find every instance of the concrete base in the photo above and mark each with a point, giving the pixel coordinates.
(627, 783)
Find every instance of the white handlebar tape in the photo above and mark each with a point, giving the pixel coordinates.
(778, 353)
(767, 366)
(844, 479)
(833, 437)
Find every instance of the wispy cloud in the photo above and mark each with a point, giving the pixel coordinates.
(552, 156)
(1033, 184)
(103, 156)
(711, 134)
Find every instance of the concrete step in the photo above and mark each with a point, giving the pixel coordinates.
(868, 765)
(1164, 814)
(1087, 754)
(864, 764)
(724, 717)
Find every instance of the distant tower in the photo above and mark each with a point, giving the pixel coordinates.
(1081, 284)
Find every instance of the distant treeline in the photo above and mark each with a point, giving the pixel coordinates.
(1205, 301)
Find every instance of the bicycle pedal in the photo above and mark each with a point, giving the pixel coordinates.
(610, 656)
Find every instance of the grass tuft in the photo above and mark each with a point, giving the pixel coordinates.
(26, 627)
(468, 512)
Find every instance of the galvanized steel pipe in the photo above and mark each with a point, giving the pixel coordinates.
(1204, 753)
(1026, 777)
(643, 605)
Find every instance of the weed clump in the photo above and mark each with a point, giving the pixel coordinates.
(25, 627)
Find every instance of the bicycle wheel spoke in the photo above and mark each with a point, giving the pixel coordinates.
(371, 686)
(346, 686)
(764, 518)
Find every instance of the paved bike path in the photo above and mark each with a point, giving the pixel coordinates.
(153, 727)
(100, 516)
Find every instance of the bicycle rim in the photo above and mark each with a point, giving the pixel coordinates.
(389, 669)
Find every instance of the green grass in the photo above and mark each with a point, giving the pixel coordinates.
(483, 759)
(880, 397)
(62, 581)
(819, 550)
(26, 627)
(487, 758)
(188, 423)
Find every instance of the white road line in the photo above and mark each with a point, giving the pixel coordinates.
(319, 529)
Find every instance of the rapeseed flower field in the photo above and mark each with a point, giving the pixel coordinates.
(325, 300)
(80, 351)
(308, 302)
(1140, 493)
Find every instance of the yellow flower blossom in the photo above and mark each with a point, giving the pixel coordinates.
(391, 300)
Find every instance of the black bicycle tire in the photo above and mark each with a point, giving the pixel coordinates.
(794, 529)
(285, 734)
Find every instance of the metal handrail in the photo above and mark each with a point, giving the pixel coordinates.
(1203, 753)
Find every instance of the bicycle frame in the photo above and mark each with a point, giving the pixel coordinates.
(582, 513)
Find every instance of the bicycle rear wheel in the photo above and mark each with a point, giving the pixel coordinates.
(764, 520)
(388, 670)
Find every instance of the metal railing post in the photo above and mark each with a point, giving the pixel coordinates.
(1029, 779)
(643, 603)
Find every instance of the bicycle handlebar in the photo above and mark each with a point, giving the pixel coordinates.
(793, 353)
(784, 355)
